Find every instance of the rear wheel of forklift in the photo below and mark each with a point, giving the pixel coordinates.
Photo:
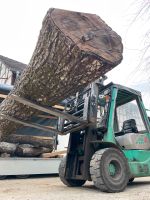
(109, 170)
(68, 182)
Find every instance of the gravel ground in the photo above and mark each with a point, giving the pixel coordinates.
(50, 188)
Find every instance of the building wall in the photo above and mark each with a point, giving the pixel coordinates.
(5, 74)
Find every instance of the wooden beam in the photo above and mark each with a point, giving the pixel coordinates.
(47, 116)
(3, 96)
(59, 107)
(53, 154)
(41, 137)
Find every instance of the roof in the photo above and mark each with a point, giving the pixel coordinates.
(13, 65)
(121, 87)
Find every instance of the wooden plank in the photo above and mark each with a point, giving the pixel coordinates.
(3, 96)
(41, 137)
(47, 116)
(53, 154)
(59, 107)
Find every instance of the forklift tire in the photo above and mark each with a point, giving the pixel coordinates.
(68, 182)
(109, 170)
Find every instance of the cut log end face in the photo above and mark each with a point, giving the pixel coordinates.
(90, 33)
(73, 49)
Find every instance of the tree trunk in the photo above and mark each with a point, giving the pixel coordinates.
(73, 49)
(36, 141)
(26, 150)
(8, 148)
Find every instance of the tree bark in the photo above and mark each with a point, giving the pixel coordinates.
(73, 49)
(8, 148)
(36, 141)
(26, 150)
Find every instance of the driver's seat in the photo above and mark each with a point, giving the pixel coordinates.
(129, 126)
(130, 138)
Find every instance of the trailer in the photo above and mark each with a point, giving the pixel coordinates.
(23, 167)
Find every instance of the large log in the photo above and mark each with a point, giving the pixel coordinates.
(27, 150)
(73, 49)
(36, 141)
(6, 147)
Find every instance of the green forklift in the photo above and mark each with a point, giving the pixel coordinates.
(111, 145)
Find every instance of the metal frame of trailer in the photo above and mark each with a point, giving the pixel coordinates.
(28, 166)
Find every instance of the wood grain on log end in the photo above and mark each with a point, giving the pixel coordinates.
(90, 33)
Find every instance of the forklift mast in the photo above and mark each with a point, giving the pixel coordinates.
(82, 140)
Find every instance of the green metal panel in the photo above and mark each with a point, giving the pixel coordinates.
(147, 122)
(109, 136)
(139, 162)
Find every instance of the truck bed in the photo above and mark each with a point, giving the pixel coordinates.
(28, 166)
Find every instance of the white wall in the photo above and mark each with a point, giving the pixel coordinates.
(5, 74)
(62, 142)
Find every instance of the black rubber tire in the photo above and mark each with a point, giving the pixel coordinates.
(68, 182)
(100, 174)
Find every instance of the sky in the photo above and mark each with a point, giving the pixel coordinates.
(20, 23)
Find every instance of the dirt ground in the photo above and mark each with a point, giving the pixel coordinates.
(50, 188)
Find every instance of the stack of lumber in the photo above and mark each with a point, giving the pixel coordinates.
(73, 49)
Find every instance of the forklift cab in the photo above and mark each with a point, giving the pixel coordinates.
(128, 122)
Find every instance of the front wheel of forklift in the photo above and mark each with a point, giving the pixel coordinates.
(109, 170)
(68, 182)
